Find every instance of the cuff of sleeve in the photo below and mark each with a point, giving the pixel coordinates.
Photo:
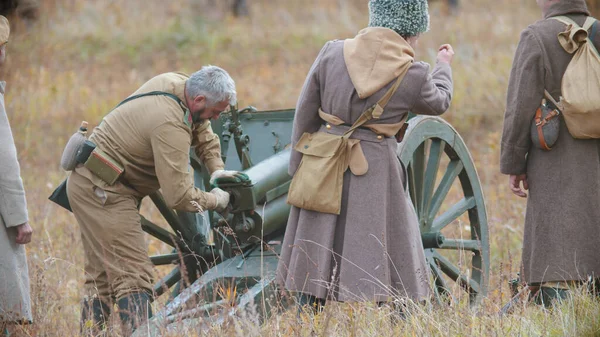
(13, 207)
(211, 201)
(14, 220)
(214, 164)
(443, 65)
(513, 159)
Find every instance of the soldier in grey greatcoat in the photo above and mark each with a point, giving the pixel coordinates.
(15, 232)
(562, 222)
(372, 250)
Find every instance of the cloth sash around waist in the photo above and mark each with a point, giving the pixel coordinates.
(357, 162)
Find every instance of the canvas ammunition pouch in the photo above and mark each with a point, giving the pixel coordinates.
(318, 181)
(98, 162)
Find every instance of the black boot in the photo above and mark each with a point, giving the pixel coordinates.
(94, 316)
(134, 310)
(309, 301)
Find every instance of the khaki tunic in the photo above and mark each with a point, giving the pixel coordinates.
(373, 249)
(15, 302)
(151, 137)
(562, 222)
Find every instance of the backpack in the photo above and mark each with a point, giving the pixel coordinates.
(580, 86)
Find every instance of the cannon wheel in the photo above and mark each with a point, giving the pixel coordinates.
(433, 151)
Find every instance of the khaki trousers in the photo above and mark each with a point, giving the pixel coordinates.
(116, 252)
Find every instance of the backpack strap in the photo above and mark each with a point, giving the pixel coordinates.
(151, 93)
(187, 117)
(588, 23)
(593, 30)
(566, 20)
(375, 110)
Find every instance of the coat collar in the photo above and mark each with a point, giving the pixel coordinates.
(179, 91)
(566, 7)
(2, 87)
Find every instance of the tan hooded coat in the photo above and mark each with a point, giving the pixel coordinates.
(373, 249)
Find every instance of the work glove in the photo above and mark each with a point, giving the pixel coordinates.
(222, 199)
(227, 177)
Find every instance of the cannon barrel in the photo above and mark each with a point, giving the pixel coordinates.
(269, 174)
(259, 206)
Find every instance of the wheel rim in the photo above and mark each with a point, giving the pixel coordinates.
(439, 169)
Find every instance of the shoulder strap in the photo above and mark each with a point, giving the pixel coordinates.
(376, 110)
(593, 30)
(566, 20)
(588, 23)
(151, 93)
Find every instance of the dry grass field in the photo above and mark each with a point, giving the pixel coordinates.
(82, 57)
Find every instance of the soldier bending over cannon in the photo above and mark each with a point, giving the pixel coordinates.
(141, 146)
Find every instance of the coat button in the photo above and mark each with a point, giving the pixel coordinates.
(328, 126)
(380, 137)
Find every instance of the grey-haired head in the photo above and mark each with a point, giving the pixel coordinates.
(209, 91)
(214, 83)
(406, 17)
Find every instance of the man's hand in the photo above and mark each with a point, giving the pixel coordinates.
(445, 53)
(24, 232)
(230, 176)
(515, 184)
(222, 199)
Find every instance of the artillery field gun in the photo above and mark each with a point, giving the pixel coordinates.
(223, 265)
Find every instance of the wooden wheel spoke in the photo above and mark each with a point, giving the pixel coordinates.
(159, 260)
(159, 232)
(472, 245)
(167, 282)
(453, 213)
(452, 171)
(418, 170)
(433, 163)
(412, 187)
(441, 287)
(470, 285)
(169, 214)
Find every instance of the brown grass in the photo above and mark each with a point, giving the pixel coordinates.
(83, 57)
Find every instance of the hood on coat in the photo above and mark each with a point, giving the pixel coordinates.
(375, 57)
(565, 7)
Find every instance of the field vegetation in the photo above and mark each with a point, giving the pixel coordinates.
(80, 58)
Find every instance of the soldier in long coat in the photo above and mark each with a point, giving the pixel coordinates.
(562, 222)
(15, 306)
(150, 137)
(372, 250)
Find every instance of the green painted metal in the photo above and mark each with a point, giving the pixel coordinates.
(427, 140)
(259, 213)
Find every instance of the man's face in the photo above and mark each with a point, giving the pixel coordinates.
(203, 111)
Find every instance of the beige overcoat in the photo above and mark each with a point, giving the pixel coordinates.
(562, 222)
(373, 249)
(14, 278)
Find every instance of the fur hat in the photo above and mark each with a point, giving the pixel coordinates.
(405, 17)
(4, 30)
